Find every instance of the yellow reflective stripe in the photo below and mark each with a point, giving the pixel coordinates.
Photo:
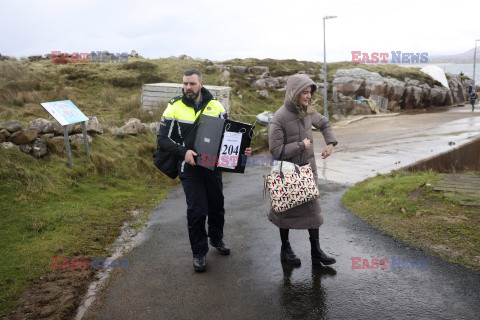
(185, 114)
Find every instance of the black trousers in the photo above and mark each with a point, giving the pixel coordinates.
(204, 194)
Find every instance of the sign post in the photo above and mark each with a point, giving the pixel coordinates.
(65, 112)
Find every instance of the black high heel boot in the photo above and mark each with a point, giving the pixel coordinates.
(287, 255)
(318, 256)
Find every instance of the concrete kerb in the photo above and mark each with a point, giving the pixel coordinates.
(353, 119)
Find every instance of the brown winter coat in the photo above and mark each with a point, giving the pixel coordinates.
(288, 122)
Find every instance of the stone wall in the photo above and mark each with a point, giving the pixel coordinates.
(39, 135)
(156, 94)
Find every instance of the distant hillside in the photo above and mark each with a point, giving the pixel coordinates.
(461, 57)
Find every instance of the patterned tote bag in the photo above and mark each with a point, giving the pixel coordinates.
(290, 187)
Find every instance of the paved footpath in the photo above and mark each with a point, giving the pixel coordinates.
(251, 283)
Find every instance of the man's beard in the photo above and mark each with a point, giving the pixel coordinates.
(192, 97)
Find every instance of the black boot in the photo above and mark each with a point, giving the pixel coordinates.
(318, 256)
(287, 255)
(221, 247)
(200, 264)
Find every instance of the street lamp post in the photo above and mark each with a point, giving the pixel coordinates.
(474, 60)
(325, 109)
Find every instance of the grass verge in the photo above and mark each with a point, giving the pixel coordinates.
(406, 206)
(48, 209)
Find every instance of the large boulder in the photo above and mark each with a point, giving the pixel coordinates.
(154, 127)
(78, 138)
(440, 96)
(339, 108)
(12, 125)
(93, 126)
(4, 135)
(394, 89)
(23, 136)
(258, 70)
(347, 85)
(374, 87)
(358, 73)
(263, 93)
(53, 127)
(413, 97)
(361, 109)
(38, 124)
(457, 89)
(39, 148)
(134, 127)
(8, 145)
(259, 82)
(116, 131)
(358, 81)
(240, 69)
(26, 148)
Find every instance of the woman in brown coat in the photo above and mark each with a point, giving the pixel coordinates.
(292, 125)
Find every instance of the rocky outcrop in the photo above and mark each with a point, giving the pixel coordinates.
(459, 88)
(408, 94)
(12, 125)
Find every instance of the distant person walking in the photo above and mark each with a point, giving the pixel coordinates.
(292, 125)
(473, 99)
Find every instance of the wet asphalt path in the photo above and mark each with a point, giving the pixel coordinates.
(251, 283)
(379, 145)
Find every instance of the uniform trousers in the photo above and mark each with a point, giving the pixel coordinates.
(204, 194)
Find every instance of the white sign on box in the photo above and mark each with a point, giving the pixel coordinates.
(230, 149)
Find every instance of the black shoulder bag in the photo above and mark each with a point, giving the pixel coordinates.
(167, 161)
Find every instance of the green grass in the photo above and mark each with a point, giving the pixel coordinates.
(48, 209)
(406, 206)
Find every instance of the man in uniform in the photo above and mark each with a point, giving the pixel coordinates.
(203, 187)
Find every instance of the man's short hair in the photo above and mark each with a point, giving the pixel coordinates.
(193, 71)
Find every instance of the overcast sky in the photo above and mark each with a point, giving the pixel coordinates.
(222, 29)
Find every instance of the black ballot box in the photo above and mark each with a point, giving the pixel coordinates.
(221, 143)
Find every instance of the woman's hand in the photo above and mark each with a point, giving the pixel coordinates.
(306, 142)
(328, 151)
